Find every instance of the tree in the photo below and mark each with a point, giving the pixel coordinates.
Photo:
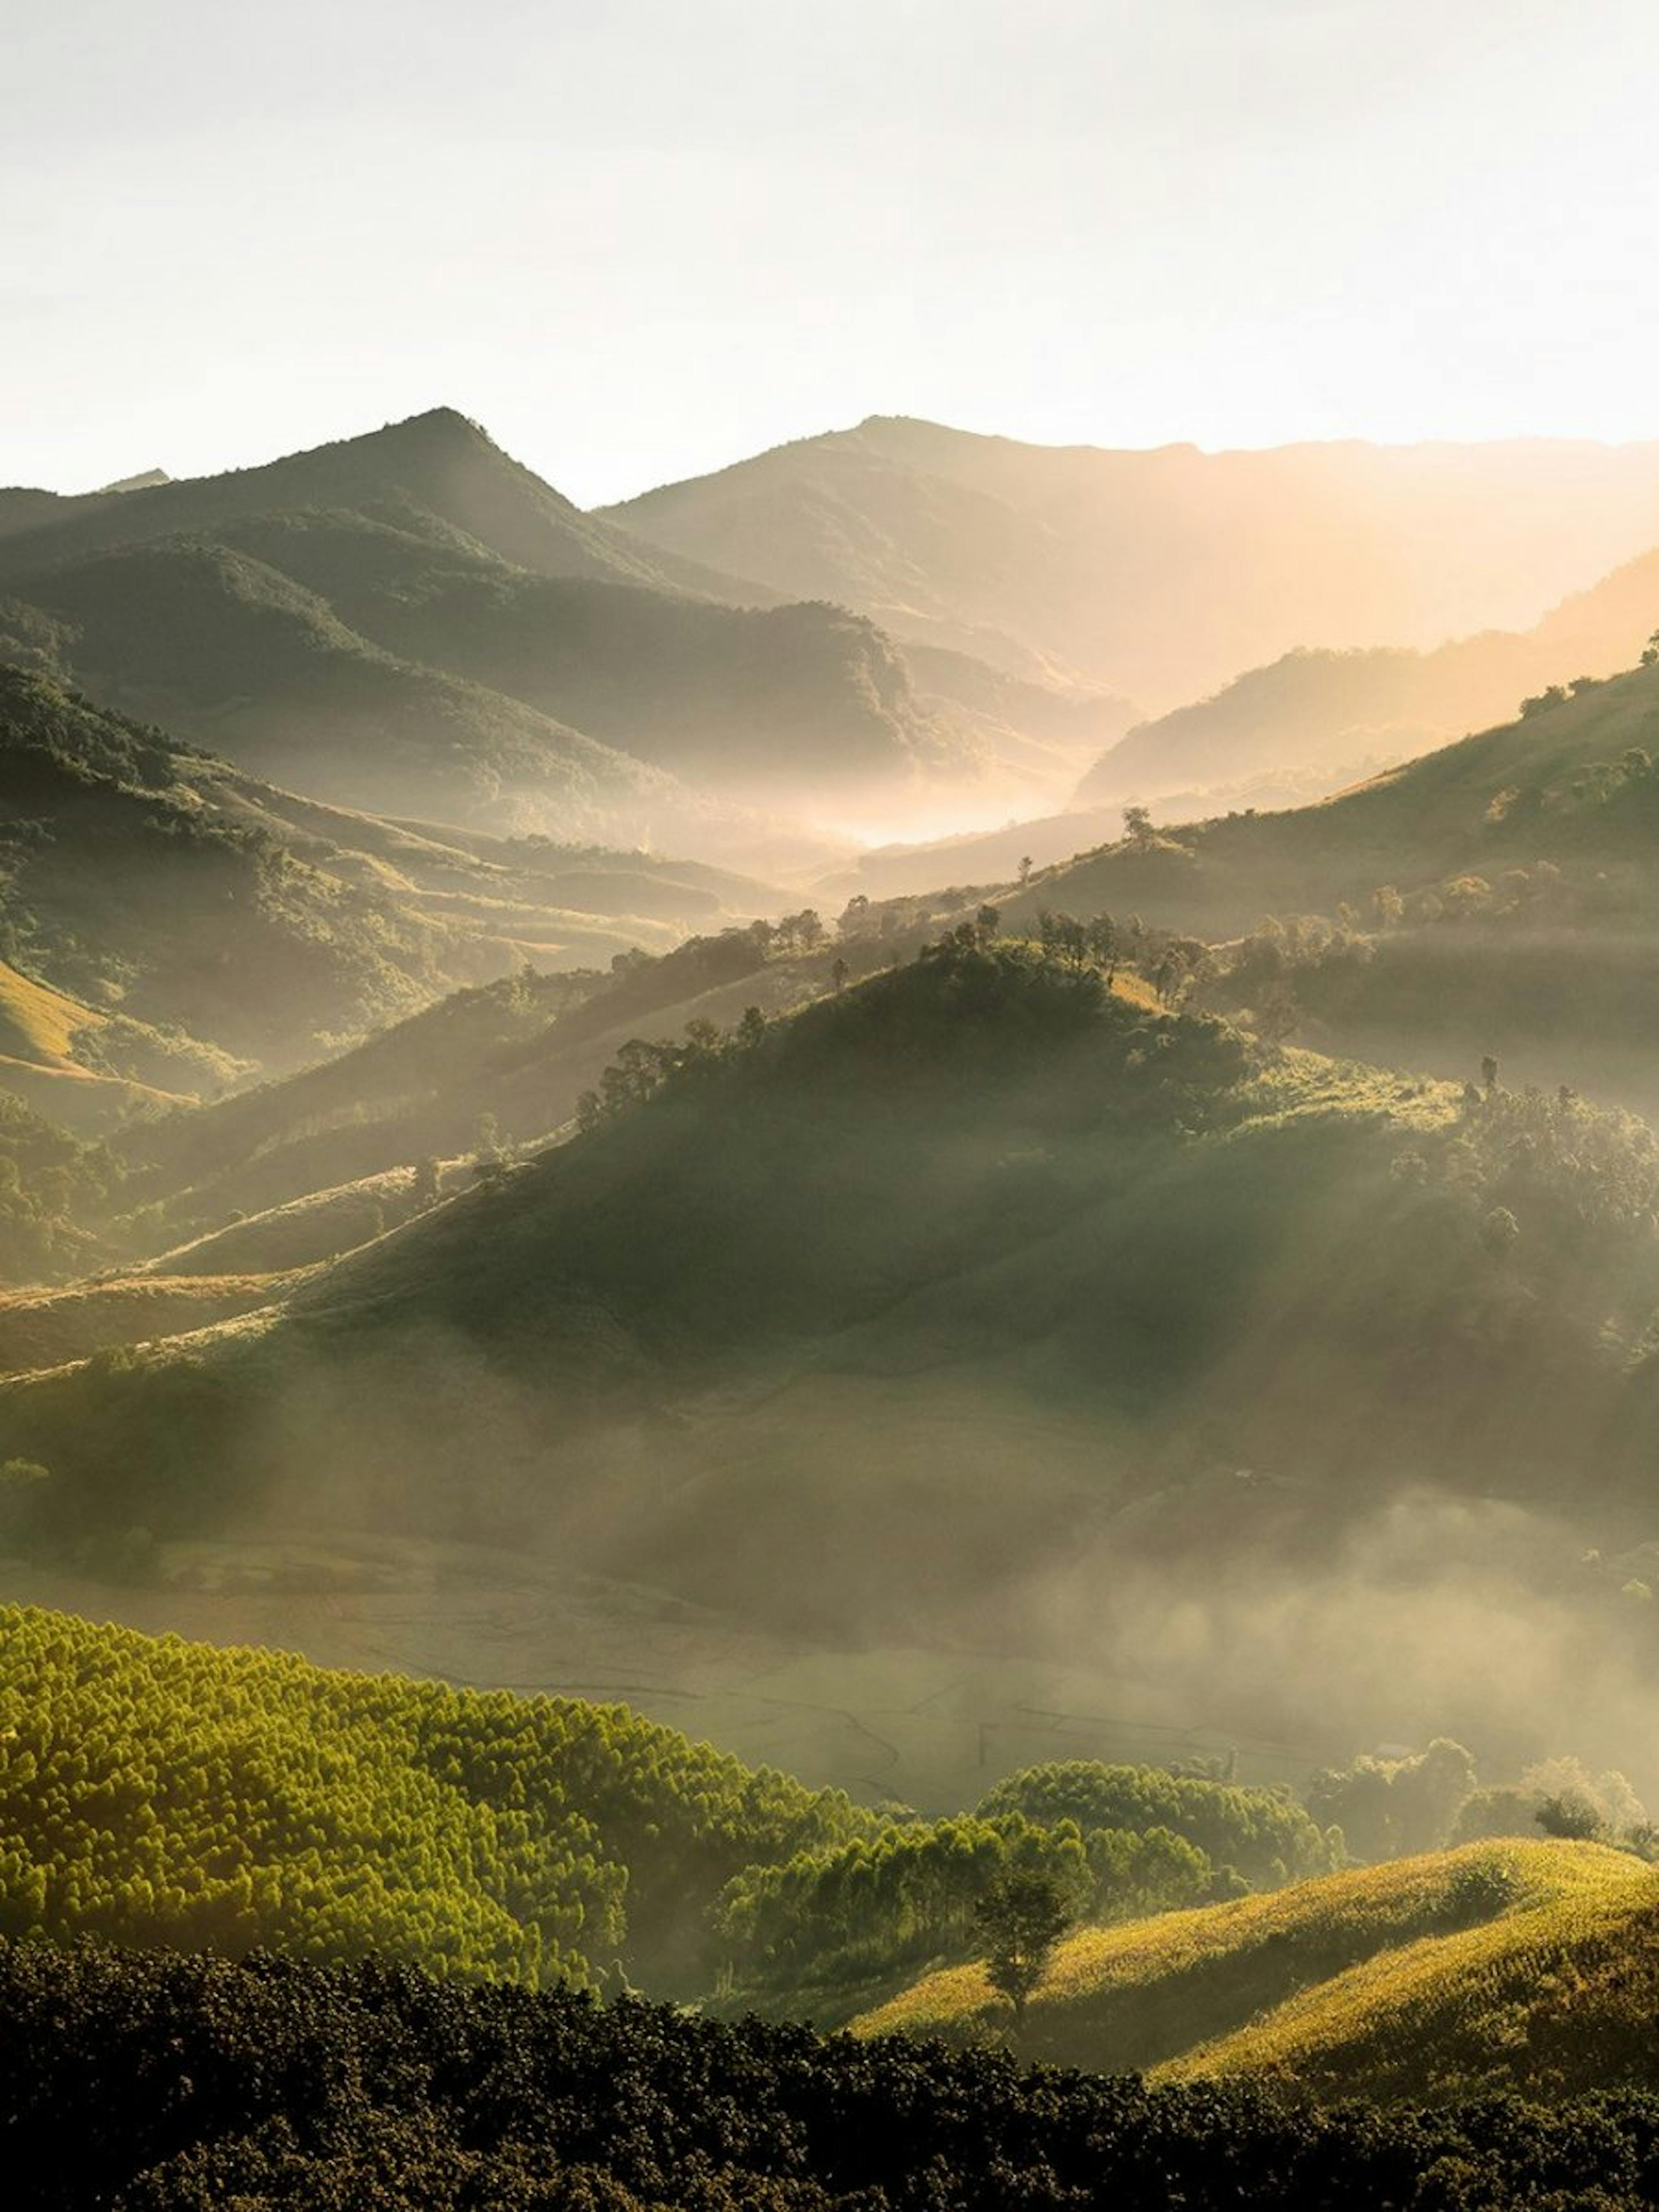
(1138, 825)
(1025, 862)
(423, 1181)
(1571, 1814)
(1021, 1919)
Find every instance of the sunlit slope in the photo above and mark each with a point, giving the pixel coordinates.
(1361, 711)
(1529, 1964)
(1556, 785)
(975, 1191)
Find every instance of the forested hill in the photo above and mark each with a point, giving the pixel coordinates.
(1181, 1298)
(153, 1791)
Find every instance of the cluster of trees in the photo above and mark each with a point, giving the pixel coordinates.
(157, 1792)
(1266, 1837)
(152, 1791)
(168, 2084)
(1171, 963)
(1391, 1807)
(917, 1890)
(51, 1188)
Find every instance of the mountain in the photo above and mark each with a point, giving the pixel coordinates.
(412, 623)
(178, 923)
(1142, 1320)
(1165, 573)
(1341, 714)
(1495, 896)
(437, 466)
(232, 653)
(1521, 1966)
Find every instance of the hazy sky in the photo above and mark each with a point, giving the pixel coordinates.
(640, 238)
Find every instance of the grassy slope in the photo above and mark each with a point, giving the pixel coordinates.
(1405, 1979)
(1466, 807)
(1326, 709)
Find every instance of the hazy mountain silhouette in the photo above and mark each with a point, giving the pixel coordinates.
(1337, 714)
(412, 622)
(1164, 573)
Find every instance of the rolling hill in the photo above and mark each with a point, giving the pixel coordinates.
(171, 923)
(1339, 716)
(1116, 1296)
(1495, 896)
(1522, 1966)
(1162, 574)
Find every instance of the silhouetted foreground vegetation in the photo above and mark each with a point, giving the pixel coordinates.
(156, 2083)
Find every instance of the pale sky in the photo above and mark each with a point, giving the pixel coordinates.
(637, 239)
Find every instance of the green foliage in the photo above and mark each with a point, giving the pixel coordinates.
(1020, 1919)
(912, 1891)
(160, 1792)
(1266, 1834)
(1386, 1808)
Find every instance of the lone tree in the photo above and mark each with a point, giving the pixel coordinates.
(1021, 1919)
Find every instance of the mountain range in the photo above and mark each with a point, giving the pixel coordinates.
(1162, 574)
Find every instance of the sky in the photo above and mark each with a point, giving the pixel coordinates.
(638, 238)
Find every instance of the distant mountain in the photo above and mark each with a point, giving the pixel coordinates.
(1162, 573)
(1340, 714)
(413, 622)
(439, 464)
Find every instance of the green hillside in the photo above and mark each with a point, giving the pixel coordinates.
(1169, 1301)
(225, 649)
(154, 1791)
(1555, 785)
(1528, 1967)
(1495, 898)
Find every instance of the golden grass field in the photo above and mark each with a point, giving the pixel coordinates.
(1527, 1963)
